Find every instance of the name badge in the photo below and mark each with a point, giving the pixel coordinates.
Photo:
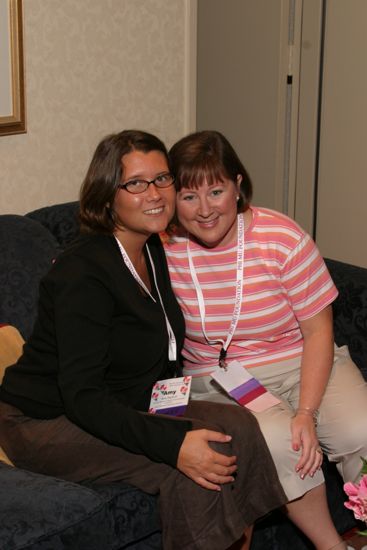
(170, 396)
(244, 388)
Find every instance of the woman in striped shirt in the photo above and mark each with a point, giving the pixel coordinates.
(255, 292)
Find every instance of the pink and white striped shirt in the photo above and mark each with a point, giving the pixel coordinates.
(285, 281)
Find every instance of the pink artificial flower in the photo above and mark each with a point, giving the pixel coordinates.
(357, 493)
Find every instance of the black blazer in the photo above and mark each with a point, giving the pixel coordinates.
(98, 346)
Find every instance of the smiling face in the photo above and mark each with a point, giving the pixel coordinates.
(140, 215)
(209, 212)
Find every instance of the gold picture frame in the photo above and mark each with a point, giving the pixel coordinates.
(12, 101)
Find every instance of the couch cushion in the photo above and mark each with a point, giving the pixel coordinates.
(350, 310)
(26, 253)
(136, 515)
(60, 219)
(38, 512)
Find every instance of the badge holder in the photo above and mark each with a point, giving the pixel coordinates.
(170, 396)
(244, 388)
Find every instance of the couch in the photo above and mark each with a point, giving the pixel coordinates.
(40, 512)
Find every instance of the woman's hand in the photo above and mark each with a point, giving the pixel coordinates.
(304, 438)
(202, 464)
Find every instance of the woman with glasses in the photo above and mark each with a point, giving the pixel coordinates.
(75, 404)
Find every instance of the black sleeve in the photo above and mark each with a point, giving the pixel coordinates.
(83, 306)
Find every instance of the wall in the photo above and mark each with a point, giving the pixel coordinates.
(341, 228)
(304, 144)
(242, 85)
(92, 67)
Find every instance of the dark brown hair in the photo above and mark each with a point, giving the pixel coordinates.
(208, 155)
(104, 175)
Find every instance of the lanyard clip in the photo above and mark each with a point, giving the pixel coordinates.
(222, 359)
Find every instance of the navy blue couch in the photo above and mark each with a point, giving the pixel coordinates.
(41, 512)
(44, 513)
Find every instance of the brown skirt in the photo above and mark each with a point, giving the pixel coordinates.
(192, 517)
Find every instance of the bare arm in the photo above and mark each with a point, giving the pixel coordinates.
(316, 365)
(317, 357)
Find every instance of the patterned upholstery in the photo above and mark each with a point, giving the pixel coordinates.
(350, 310)
(60, 219)
(45, 513)
(26, 253)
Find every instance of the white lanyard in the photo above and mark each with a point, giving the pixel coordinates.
(172, 346)
(238, 298)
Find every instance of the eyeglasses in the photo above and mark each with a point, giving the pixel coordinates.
(139, 186)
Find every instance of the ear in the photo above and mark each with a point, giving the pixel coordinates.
(238, 184)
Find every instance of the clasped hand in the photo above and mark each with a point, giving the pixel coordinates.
(202, 464)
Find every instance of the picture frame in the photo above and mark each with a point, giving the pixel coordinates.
(12, 100)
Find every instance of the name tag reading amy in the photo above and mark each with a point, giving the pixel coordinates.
(170, 396)
(244, 388)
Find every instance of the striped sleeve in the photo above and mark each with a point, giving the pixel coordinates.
(305, 277)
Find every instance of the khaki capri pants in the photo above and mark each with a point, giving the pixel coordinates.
(342, 425)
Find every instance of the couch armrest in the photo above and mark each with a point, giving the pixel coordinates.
(60, 219)
(27, 250)
(350, 310)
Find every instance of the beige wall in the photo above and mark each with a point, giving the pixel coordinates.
(242, 85)
(341, 229)
(92, 67)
